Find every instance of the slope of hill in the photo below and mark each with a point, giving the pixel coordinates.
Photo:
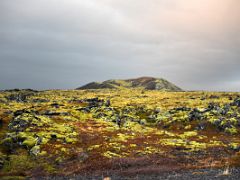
(148, 83)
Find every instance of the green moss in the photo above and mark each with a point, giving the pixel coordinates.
(35, 150)
(30, 142)
(49, 168)
(19, 164)
(70, 140)
(231, 131)
(234, 146)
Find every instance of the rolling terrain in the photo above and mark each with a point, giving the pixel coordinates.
(125, 132)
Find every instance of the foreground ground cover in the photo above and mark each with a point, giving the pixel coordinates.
(124, 131)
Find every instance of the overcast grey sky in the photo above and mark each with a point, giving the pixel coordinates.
(47, 44)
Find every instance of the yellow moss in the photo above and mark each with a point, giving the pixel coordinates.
(188, 127)
(63, 149)
(29, 142)
(19, 163)
(234, 145)
(43, 153)
(94, 147)
(231, 131)
(122, 137)
(188, 134)
(70, 140)
(132, 145)
(190, 145)
(110, 154)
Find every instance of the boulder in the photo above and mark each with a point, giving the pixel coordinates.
(236, 102)
(54, 113)
(195, 114)
(225, 109)
(20, 123)
(20, 112)
(201, 125)
(21, 96)
(23, 121)
(94, 102)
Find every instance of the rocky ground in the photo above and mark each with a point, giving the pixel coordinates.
(122, 133)
(199, 174)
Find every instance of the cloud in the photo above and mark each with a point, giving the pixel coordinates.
(64, 44)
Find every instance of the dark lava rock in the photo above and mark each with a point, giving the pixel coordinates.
(20, 112)
(53, 113)
(236, 102)
(53, 137)
(39, 100)
(118, 121)
(175, 110)
(94, 102)
(195, 114)
(84, 109)
(214, 97)
(20, 96)
(11, 141)
(18, 124)
(226, 109)
(1, 122)
(108, 103)
(201, 126)
(182, 109)
(21, 122)
(157, 110)
(55, 105)
(217, 123)
(213, 106)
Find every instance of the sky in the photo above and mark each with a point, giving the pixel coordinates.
(63, 44)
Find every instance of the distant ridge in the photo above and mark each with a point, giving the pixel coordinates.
(148, 83)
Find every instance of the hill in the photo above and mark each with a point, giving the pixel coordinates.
(148, 83)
